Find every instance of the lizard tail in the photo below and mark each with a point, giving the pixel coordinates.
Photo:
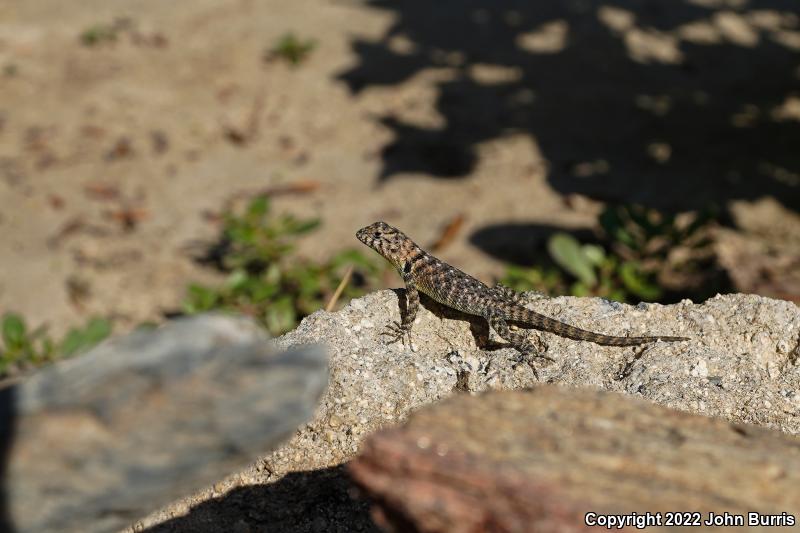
(526, 316)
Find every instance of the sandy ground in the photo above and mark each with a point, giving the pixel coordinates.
(114, 157)
(69, 106)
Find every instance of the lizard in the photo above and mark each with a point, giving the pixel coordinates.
(498, 305)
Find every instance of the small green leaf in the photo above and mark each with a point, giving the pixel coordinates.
(97, 34)
(48, 348)
(579, 289)
(258, 207)
(567, 253)
(13, 331)
(96, 330)
(200, 298)
(280, 316)
(236, 279)
(309, 281)
(304, 226)
(259, 290)
(637, 283)
(625, 237)
(618, 295)
(273, 274)
(594, 253)
(291, 49)
(72, 342)
(78, 340)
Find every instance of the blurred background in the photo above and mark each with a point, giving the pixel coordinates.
(163, 158)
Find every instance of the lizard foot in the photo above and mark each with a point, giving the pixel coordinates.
(395, 332)
(527, 354)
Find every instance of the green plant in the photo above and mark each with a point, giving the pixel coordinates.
(266, 280)
(257, 239)
(578, 259)
(592, 269)
(291, 49)
(99, 33)
(81, 339)
(643, 254)
(25, 349)
(545, 280)
(673, 251)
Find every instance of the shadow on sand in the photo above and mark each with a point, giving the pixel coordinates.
(661, 102)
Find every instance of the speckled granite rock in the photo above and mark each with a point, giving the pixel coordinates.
(740, 364)
(540, 460)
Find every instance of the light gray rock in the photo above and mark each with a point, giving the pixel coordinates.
(740, 364)
(94, 442)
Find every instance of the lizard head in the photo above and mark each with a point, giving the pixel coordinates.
(388, 241)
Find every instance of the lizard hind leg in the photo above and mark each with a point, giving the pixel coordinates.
(517, 340)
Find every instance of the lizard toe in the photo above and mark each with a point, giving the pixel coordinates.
(395, 332)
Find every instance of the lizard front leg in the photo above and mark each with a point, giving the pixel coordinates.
(517, 340)
(401, 331)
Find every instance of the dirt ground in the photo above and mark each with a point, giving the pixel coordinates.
(115, 157)
(89, 133)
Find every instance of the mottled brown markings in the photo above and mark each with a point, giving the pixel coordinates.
(454, 288)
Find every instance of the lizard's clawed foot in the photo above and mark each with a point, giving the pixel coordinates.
(395, 332)
(527, 356)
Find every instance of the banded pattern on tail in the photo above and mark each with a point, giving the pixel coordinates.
(524, 315)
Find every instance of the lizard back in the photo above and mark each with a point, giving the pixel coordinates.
(450, 286)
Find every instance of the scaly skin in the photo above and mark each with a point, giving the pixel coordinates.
(451, 287)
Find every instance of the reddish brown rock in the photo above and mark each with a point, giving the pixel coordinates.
(540, 460)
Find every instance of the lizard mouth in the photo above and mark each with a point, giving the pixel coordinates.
(362, 236)
(375, 235)
(369, 235)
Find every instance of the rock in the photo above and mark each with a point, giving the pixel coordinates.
(97, 441)
(540, 460)
(372, 385)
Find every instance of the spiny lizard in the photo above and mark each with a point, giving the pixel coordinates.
(449, 286)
